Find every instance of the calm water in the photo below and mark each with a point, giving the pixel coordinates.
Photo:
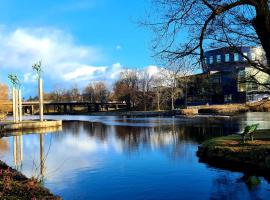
(131, 158)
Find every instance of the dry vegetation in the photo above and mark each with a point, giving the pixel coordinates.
(224, 109)
(3, 98)
(14, 185)
(262, 106)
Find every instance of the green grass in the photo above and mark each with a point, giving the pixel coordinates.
(234, 142)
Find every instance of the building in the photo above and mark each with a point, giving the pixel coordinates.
(226, 77)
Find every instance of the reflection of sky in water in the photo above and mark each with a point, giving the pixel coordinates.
(132, 158)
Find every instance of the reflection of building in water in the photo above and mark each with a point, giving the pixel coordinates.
(18, 151)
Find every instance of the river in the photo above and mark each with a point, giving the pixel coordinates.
(119, 158)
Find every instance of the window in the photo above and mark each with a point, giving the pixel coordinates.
(252, 56)
(218, 58)
(205, 60)
(228, 98)
(211, 60)
(227, 57)
(245, 54)
(236, 57)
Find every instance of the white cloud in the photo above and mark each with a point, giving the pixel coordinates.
(83, 72)
(152, 70)
(63, 60)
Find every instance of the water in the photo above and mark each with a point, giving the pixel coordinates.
(131, 158)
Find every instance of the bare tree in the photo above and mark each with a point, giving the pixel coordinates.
(3, 98)
(101, 92)
(89, 93)
(187, 27)
(126, 88)
(172, 75)
(145, 87)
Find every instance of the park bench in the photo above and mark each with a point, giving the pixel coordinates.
(249, 130)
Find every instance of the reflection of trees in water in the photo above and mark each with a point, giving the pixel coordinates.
(169, 137)
(174, 138)
(226, 186)
(75, 128)
(132, 137)
(98, 130)
(4, 146)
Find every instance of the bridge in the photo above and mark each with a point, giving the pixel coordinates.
(50, 107)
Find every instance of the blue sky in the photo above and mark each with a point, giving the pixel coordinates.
(80, 41)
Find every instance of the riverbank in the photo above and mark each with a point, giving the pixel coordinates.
(229, 152)
(228, 109)
(14, 185)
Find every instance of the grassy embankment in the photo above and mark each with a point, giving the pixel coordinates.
(231, 152)
(14, 185)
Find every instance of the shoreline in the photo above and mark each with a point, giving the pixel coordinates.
(230, 153)
(15, 185)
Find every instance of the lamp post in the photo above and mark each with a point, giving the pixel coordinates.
(37, 68)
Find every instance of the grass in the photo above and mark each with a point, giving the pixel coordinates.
(230, 152)
(235, 143)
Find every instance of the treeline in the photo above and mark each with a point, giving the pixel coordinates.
(3, 97)
(140, 90)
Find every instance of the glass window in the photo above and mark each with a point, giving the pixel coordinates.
(252, 56)
(211, 60)
(236, 57)
(218, 58)
(246, 55)
(227, 57)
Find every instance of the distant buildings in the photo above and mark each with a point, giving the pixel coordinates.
(226, 78)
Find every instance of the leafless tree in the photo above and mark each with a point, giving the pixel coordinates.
(89, 93)
(175, 73)
(3, 98)
(188, 27)
(145, 88)
(126, 88)
(101, 92)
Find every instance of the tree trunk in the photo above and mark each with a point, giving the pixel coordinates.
(261, 24)
(172, 98)
(158, 100)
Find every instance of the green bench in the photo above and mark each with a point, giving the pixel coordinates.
(249, 130)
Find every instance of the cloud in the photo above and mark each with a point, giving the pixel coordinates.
(64, 62)
(83, 72)
(62, 59)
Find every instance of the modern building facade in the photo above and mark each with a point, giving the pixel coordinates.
(224, 78)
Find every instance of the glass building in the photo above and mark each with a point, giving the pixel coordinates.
(229, 77)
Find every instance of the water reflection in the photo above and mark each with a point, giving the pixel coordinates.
(154, 160)
(18, 151)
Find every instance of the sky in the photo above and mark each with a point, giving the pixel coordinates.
(78, 41)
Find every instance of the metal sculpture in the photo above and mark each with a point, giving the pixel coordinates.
(17, 97)
(37, 68)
